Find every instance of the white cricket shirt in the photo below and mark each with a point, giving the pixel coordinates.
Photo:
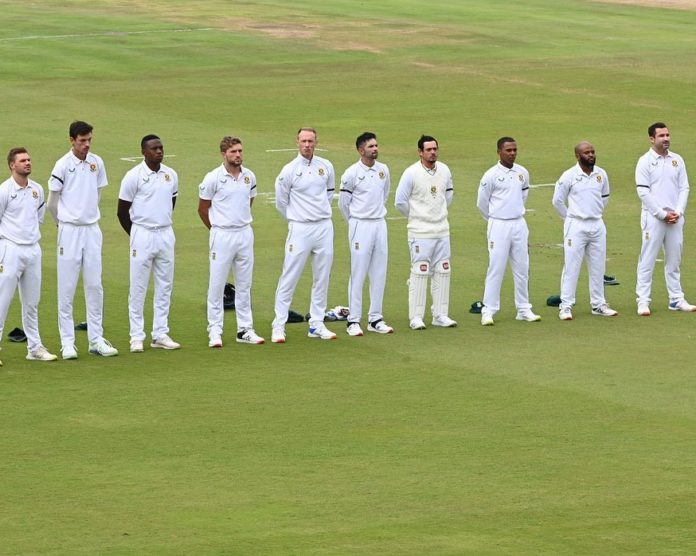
(503, 192)
(78, 182)
(304, 189)
(578, 195)
(364, 191)
(151, 194)
(662, 182)
(230, 197)
(22, 209)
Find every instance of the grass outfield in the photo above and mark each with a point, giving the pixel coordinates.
(545, 438)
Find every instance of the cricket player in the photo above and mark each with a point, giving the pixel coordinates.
(304, 190)
(501, 201)
(225, 199)
(362, 202)
(22, 210)
(146, 202)
(580, 197)
(424, 192)
(75, 186)
(663, 188)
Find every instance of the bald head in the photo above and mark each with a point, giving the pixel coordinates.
(585, 153)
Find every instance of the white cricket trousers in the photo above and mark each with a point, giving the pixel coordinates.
(151, 252)
(80, 250)
(658, 234)
(583, 239)
(508, 240)
(231, 249)
(368, 258)
(305, 239)
(21, 265)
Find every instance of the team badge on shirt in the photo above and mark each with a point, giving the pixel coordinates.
(599, 179)
(92, 167)
(675, 163)
(35, 194)
(247, 180)
(321, 171)
(433, 191)
(381, 175)
(167, 177)
(520, 177)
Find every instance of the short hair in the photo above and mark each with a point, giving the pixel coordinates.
(78, 127)
(147, 138)
(654, 127)
(13, 154)
(425, 139)
(504, 140)
(364, 138)
(227, 142)
(307, 129)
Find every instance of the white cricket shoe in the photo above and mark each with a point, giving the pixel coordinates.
(41, 354)
(380, 327)
(486, 319)
(604, 311)
(321, 332)
(101, 347)
(248, 336)
(643, 310)
(565, 314)
(353, 329)
(527, 315)
(164, 342)
(682, 305)
(136, 346)
(278, 336)
(69, 352)
(215, 341)
(417, 324)
(444, 321)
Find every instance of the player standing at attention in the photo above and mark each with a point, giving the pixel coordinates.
(304, 190)
(74, 193)
(225, 199)
(501, 201)
(423, 195)
(364, 193)
(580, 197)
(145, 205)
(22, 210)
(663, 188)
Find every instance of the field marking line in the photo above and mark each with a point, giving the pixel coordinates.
(140, 157)
(104, 34)
(538, 185)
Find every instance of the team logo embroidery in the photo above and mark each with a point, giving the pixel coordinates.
(35, 194)
(433, 190)
(167, 177)
(71, 170)
(201, 187)
(134, 253)
(60, 250)
(417, 248)
(674, 163)
(92, 167)
(491, 244)
(290, 248)
(520, 177)
(2, 269)
(321, 171)
(570, 242)
(247, 180)
(647, 236)
(213, 255)
(357, 246)
(381, 175)
(445, 265)
(599, 179)
(424, 267)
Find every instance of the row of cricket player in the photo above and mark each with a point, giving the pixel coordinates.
(304, 190)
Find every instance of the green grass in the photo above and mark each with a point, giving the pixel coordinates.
(548, 438)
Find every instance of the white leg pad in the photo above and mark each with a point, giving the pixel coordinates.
(440, 287)
(417, 287)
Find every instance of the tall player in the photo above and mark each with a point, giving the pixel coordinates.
(74, 193)
(423, 195)
(663, 188)
(501, 201)
(362, 199)
(225, 199)
(304, 190)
